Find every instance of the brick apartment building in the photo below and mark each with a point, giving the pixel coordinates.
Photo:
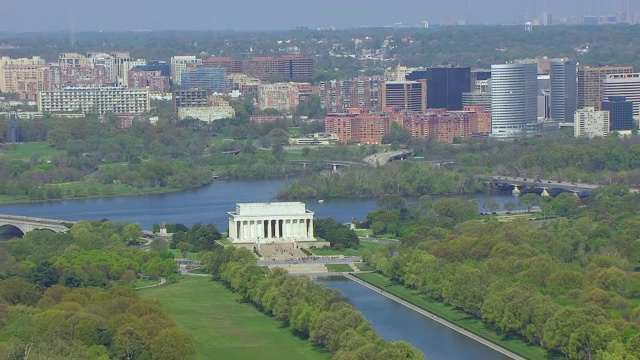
(153, 79)
(364, 127)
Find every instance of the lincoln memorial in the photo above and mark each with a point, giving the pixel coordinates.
(263, 223)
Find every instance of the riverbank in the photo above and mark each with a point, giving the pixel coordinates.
(476, 327)
(221, 327)
(11, 200)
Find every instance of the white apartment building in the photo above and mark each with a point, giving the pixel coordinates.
(217, 108)
(179, 64)
(590, 123)
(97, 100)
(627, 85)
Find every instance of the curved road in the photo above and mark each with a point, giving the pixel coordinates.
(435, 318)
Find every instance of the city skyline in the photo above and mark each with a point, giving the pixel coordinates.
(284, 14)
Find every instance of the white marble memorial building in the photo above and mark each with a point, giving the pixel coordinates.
(263, 223)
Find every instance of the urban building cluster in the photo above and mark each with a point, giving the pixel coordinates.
(116, 83)
(527, 97)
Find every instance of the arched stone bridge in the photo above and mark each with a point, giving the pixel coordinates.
(20, 225)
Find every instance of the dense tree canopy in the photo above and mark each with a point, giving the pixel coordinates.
(569, 285)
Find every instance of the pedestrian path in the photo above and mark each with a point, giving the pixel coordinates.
(435, 318)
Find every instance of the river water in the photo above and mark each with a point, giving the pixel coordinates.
(395, 322)
(208, 205)
(211, 204)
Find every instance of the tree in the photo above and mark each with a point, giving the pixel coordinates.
(16, 291)
(492, 205)
(510, 206)
(129, 343)
(159, 244)
(133, 232)
(44, 275)
(171, 344)
(529, 201)
(184, 248)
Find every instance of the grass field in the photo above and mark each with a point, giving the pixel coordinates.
(190, 255)
(222, 328)
(364, 266)
(457, 317)
(364, 246)
(339, 268)
(28, 150)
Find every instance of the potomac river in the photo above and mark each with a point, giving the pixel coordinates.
(205, 205)
(210, 205)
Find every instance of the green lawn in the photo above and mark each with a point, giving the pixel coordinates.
(190, 255)
(476, 326)
(364, 246)
(363, 232)
(339, 268)
(222, 328)
(364, 266)
(26, 151)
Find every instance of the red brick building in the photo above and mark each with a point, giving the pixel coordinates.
(481, 122)
(58, 78)
(154, 80)
(361, 126)
(447, 128)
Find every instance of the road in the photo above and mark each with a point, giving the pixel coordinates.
(320, 260)
(435, 318)
(382, 158)
(545, 183)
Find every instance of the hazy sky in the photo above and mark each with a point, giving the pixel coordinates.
(89, 15)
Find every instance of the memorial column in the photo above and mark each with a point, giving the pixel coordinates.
(269, 235)
(310, 229)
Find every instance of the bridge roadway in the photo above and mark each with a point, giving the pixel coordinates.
(543, 183)
(382, 158)
(26, 223)
(329, 162)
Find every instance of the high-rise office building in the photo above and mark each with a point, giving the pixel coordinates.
(563, 90)
(179, 64)
(214, 79)
(620, 113)
(514, 90)
(627, 85)
(591, 83)
(445, 85)
(405, 95)
(591, 123)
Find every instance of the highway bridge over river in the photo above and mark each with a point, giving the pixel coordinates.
(542, 186)
(20, 225)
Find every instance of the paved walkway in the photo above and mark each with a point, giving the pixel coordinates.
(162, 282)
(435, 318)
